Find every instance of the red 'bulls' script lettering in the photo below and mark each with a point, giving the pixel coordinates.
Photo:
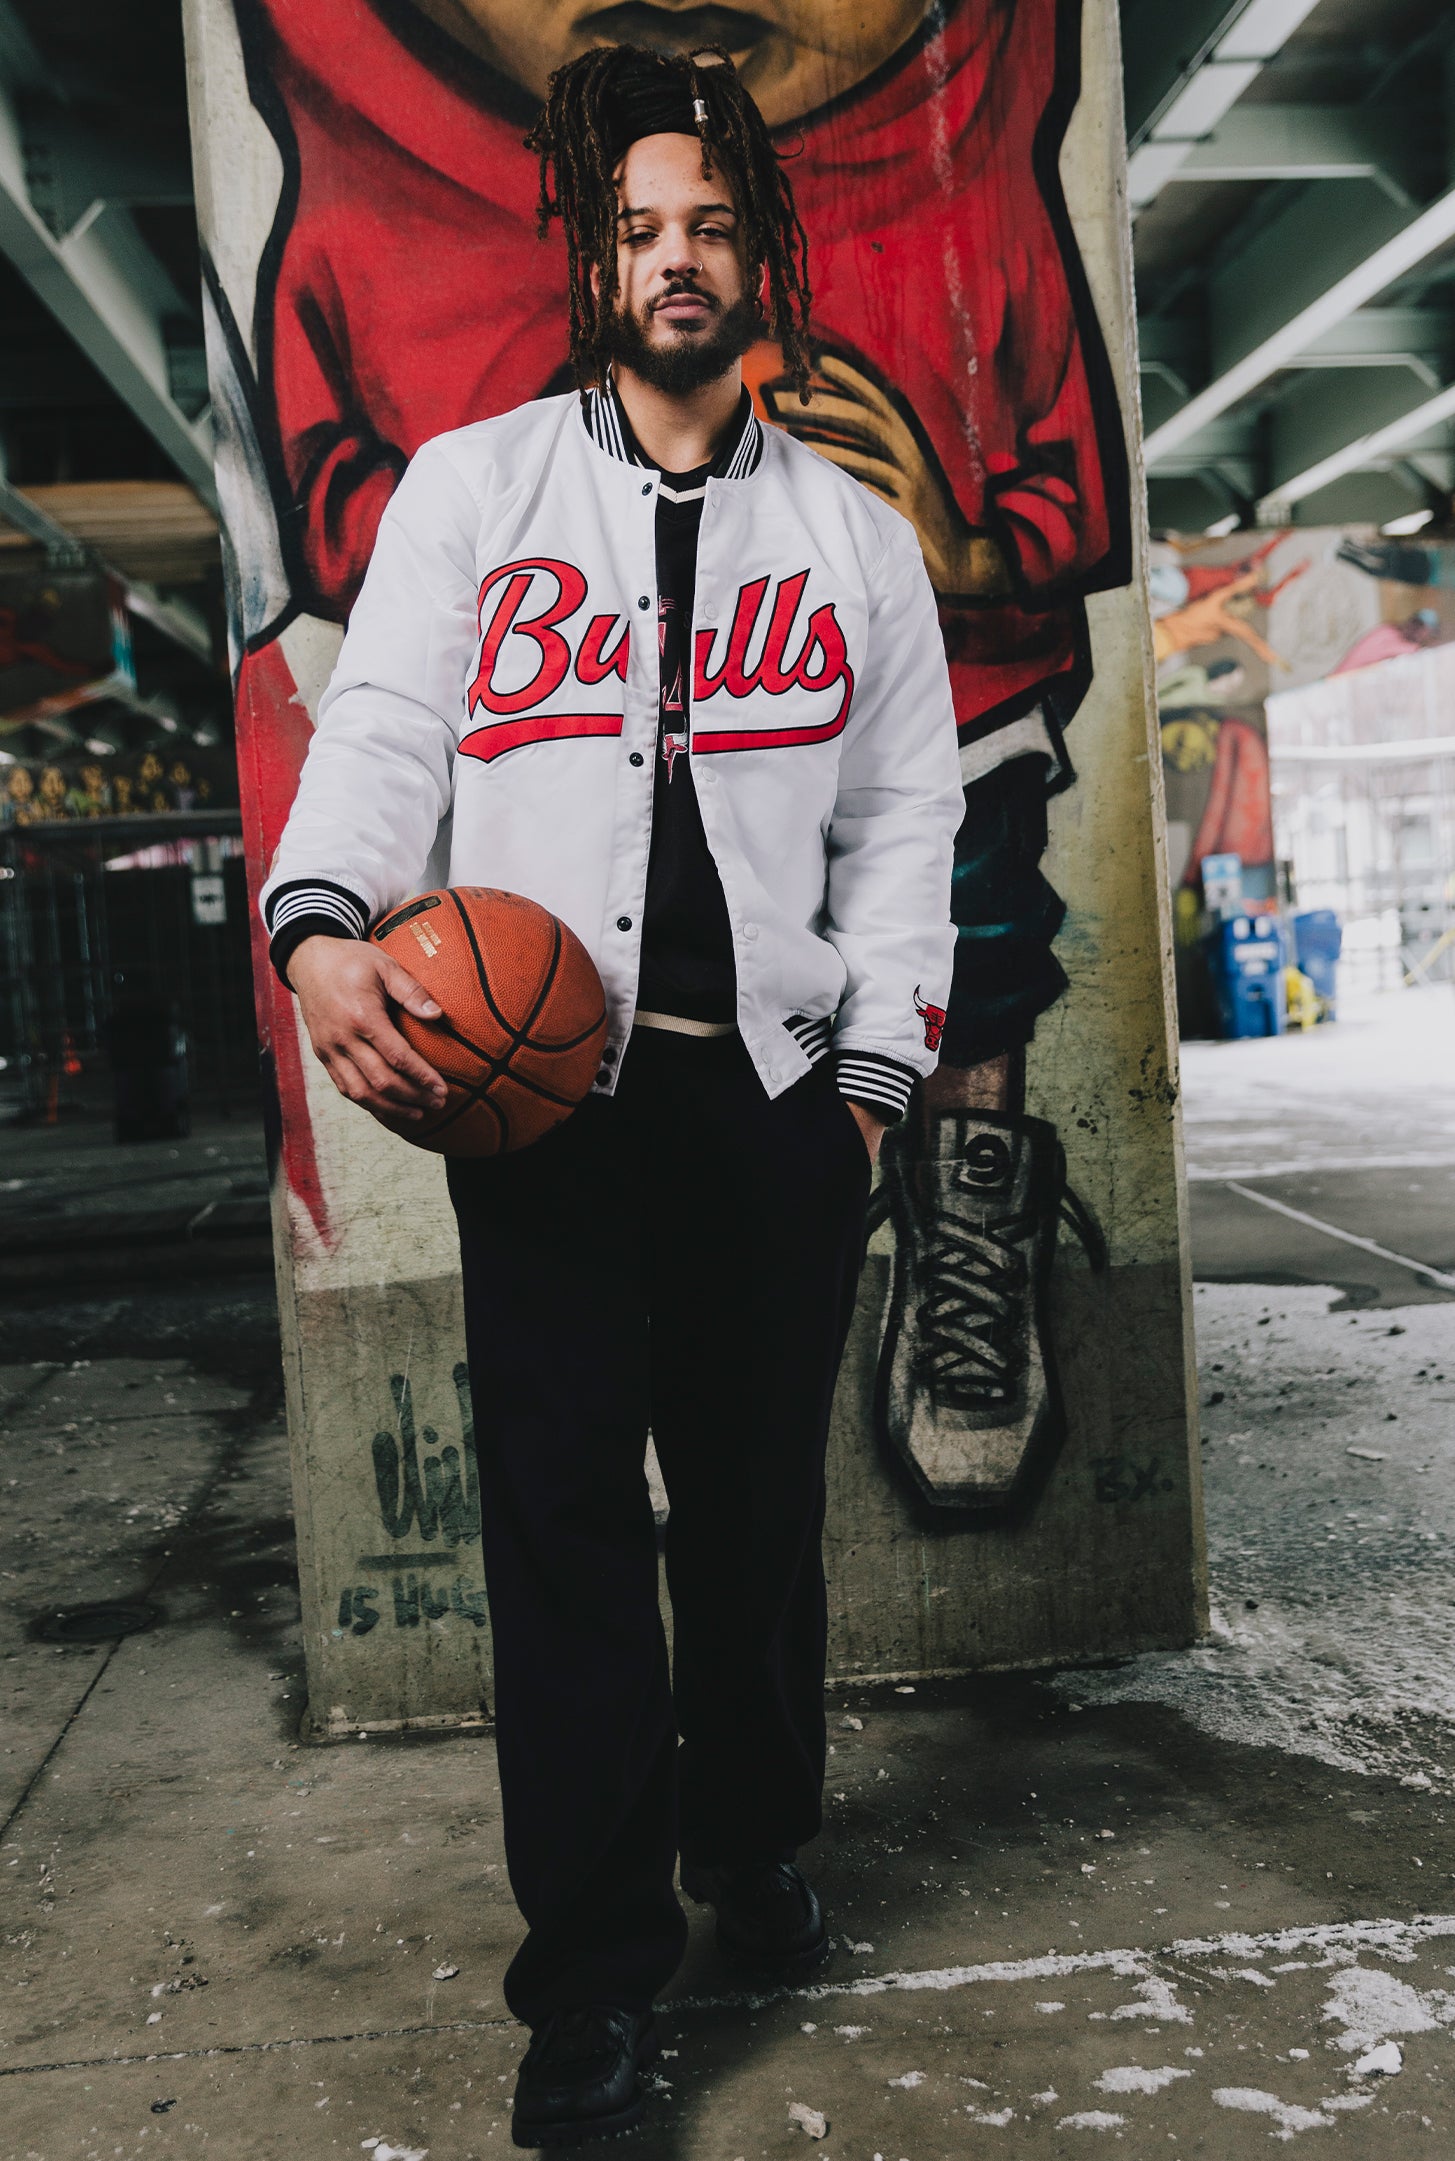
(510, 586)
(515, 581)
(593, 663)
(821, 664)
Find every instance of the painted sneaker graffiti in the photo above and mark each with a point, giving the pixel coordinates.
(967, 1398)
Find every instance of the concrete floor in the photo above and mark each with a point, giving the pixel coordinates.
(1201, 1899)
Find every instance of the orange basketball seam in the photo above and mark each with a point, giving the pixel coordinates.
(485, 991)
(472, 1099)
(503, 1069)
(519, 1037)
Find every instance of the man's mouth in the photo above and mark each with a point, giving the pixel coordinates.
(684, 307)
(677, 30)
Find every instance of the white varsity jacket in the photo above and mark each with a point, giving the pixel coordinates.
(497, 689)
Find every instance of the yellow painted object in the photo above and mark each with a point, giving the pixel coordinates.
(1303, 1001)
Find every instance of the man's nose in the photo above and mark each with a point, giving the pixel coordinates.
(680, 258)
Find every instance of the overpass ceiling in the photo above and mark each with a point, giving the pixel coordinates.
(1292, 170)
(101, 371)
(1292, 175)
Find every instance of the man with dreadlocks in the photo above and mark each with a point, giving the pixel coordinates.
(678, 678)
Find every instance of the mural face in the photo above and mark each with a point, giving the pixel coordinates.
(794, 55)
(958, 371)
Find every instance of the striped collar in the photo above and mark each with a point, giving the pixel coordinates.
(611, 431)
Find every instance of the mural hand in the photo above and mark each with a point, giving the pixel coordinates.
(856, 424)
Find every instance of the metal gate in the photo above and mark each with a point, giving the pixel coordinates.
(97, 914)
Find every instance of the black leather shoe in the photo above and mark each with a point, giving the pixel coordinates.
(581, 2076)
(768, 1915)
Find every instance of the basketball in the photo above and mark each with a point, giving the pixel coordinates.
(523, 1016)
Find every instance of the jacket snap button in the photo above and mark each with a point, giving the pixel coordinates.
(646, 487)
(635, 758)
(623, 922)
(644, 601)
(603, 1076)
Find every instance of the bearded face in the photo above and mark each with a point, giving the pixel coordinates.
(683, 312)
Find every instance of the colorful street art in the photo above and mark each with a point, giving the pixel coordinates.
(1238, 620)
(1017, 1364)
(958, 370)
(1233, 623)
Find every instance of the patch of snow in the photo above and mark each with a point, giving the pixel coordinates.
(998, 2116)
(445, 1973)
(1048, 2007)
(1158, 2001)
(1289, 2118)
(910, 2078)
(1131, 2078)
(1387, 2060)
(808, 2119)
(1371, 2004)
(1357, 1688)
(1091, 2119)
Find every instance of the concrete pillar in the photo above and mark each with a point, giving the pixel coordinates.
(1089, 1546)
(1101, 1554)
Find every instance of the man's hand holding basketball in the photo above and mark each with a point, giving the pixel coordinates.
(345, 989)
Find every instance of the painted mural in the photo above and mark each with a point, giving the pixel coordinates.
(1236, 621)
(958, 370)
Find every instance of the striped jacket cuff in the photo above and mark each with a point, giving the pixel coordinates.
(878, 1083)
(310, 909)
(815, 1037)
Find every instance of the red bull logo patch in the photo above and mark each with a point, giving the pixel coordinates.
(933, 1017)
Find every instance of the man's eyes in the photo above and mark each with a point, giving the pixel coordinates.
(641, 236)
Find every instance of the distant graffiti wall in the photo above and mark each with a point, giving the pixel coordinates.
(1239, 619)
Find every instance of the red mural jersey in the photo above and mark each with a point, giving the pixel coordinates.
(412, 295)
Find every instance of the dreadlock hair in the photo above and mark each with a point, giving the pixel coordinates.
(573, 139)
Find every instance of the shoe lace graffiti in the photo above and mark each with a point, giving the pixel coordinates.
(968, 1403)
(421, 1498)
(973, 1347)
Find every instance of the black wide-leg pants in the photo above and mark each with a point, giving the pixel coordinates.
(683, 1255)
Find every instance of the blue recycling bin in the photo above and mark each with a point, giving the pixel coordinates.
(1318, 940)
(1246, 957)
